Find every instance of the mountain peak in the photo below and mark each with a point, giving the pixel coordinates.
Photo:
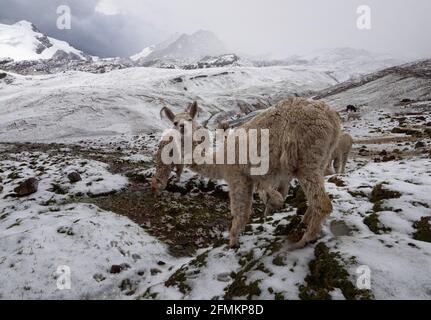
(191, 46)
(27, 25)
(23, 41)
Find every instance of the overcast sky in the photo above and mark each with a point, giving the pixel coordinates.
(277, 27)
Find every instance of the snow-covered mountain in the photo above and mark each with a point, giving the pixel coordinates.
(189, 47)
(346, 63)
(144, 53)
(150, 49)
(23, 41)
(341, 63)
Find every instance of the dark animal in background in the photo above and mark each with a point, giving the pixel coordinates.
(351, 108)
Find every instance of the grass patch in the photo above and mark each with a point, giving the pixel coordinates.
(297, 199)
(326, 274)
(423, 229)
(337, 181)
(373, 223)
(379, 193)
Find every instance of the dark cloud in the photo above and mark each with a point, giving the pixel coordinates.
(280, 27)
(92, 32)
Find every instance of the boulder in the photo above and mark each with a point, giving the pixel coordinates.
(74, 177)
(27, 187)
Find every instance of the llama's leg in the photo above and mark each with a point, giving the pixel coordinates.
(328, 169)
(179, 172)
(337, 163)
(241, 198)
(319, 207)
(275, 201)
(284, 187)
(277, 197)
(343, 166)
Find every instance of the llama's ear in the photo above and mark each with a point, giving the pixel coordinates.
(168, 113)
(193, 109)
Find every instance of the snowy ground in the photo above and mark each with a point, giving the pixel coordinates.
(121, 243)
(78, 105)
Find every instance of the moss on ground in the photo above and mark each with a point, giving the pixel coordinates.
(379, 193)
(373, 223)
(179, 278)
(278, 261)
(326, 273)
(357, 194)
(423, 229)
(379, 207)
(337, 181)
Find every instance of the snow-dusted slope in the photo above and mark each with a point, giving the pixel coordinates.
(144, 53)
(22, 41)
(384, 89)
(342, 63)
(77, 104)
(347, 63)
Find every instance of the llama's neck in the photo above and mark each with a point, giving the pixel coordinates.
(210, 170)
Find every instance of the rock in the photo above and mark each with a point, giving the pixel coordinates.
(117, 268)
(224, 277)
(136, 257)
(66, 230)
(340, 228)
(407, 131)
(155, 271)
(419, 145)
(388, 158)
(99, 277)
(74, 177)
(3, 75)
(1, 189)
(27, 187)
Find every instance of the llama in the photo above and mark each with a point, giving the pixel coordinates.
(351, 108)
(160, 179)
(302, 137)
(273, 197)
(341, 153)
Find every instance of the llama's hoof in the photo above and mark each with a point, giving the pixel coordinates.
(234, 245)
(302, 243)
(298, 245)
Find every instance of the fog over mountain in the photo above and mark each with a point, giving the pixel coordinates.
(275, 28)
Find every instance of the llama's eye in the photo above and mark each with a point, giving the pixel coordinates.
(175, 124)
